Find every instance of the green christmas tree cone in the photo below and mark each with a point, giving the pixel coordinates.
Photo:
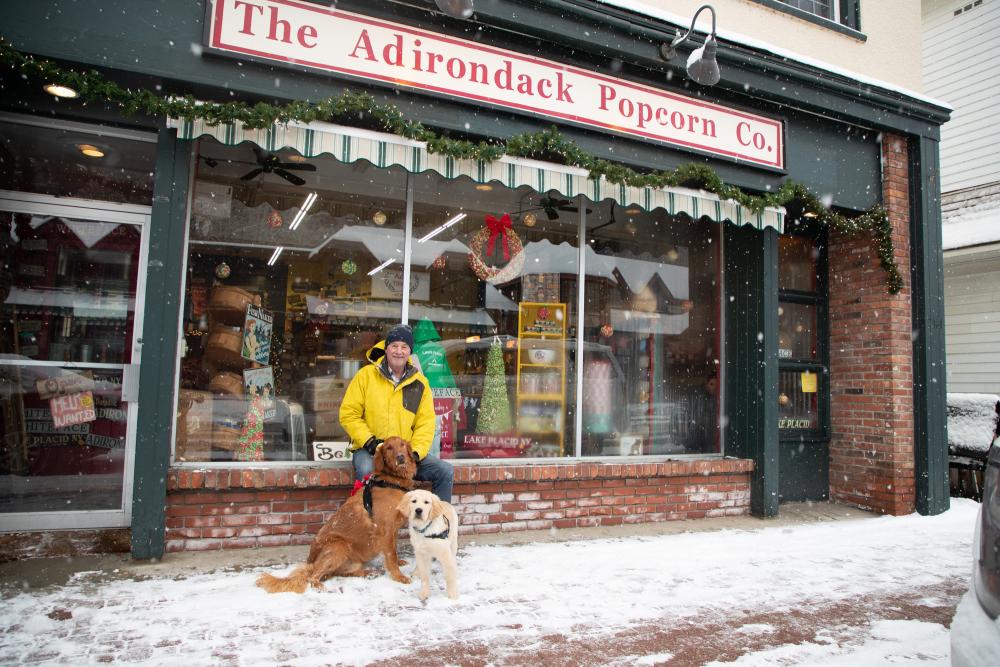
(494, 408)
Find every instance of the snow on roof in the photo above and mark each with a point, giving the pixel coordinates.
(972, 421)
(685, 22)
(972, 225)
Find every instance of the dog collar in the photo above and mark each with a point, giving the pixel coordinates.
(366, 493)
(443, 535)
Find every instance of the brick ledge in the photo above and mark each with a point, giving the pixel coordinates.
(192, 479)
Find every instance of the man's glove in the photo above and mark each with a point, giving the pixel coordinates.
(371, 445)
(416, 457)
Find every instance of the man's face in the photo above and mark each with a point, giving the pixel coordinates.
(397, 352)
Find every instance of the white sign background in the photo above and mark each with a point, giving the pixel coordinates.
(331, 40)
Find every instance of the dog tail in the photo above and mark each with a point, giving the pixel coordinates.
(296, 582)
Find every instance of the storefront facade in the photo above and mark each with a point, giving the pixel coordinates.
(599, 353)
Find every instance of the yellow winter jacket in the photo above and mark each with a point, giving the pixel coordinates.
(373, 405)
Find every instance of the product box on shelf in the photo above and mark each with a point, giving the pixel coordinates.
(323, 393)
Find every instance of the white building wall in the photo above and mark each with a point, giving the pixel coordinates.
(892, 29)
(961, 61)
(972, 320)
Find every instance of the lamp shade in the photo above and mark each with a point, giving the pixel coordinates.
(459, 9)
(701, 64)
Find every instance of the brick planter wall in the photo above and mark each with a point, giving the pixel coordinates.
(233, 509)
(871, 356)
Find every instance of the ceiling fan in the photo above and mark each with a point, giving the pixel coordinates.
(552, 206)
(270, 163)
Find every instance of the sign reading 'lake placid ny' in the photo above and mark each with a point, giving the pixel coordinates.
(300, 34)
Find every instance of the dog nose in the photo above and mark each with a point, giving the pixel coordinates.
(418, 511)
(400, 459)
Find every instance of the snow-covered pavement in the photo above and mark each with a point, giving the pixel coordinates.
(859, 592)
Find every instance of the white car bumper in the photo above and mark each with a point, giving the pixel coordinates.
(975, 637)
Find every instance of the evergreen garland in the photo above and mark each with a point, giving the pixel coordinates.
(361, 108)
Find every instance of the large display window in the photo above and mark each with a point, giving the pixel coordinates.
(296, 267)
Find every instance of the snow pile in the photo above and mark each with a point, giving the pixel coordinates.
(972, 423)
(977, 224)
(515, 599)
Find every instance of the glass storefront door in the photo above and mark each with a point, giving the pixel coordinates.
(71, 286)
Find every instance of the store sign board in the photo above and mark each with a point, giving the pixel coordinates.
(301, 34)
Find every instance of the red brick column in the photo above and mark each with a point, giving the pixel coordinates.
(235, 509)
(871, 359)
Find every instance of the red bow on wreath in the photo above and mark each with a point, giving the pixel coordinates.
(498, 228)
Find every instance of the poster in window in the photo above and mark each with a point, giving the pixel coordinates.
(259, 383)
(72, 409)
(257, 334)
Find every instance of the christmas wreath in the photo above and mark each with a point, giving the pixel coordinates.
(497, 255)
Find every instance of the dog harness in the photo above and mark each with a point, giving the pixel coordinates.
(366, 492)
(443, 535)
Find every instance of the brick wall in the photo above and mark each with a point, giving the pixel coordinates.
(871, 356)
(232, 509)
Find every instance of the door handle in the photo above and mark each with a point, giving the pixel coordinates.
(130, 383)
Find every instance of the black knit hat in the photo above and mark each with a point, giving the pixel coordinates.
(400, 333)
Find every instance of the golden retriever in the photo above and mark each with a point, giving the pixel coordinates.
(433, 534)
(351, 538)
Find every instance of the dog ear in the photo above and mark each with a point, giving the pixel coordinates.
(378, 461)
(404, 505)
(411, 465)
(437, 507)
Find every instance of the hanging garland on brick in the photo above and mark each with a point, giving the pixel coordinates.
(354, 108)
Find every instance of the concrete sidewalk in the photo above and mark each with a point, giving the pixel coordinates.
(43, 572)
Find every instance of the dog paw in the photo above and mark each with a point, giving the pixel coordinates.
(402, 562)
(401, 578)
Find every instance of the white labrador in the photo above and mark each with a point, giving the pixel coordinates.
(433, 534)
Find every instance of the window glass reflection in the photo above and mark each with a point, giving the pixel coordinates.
(798, 399)
(294, 271)
(493, 330)
(307, 256)
(651, 334)
(74, 163)
(797, 336)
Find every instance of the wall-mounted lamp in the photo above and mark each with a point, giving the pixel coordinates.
(457, 9)
(701, 64)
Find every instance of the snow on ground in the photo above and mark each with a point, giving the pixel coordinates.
(519, 595)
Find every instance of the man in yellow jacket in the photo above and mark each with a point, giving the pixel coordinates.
(391, 397)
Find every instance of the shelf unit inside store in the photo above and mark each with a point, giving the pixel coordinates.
(541, 383)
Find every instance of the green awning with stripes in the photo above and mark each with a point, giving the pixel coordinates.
(385, 150)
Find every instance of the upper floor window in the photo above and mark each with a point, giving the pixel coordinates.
(824, 8)
(842, 12)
